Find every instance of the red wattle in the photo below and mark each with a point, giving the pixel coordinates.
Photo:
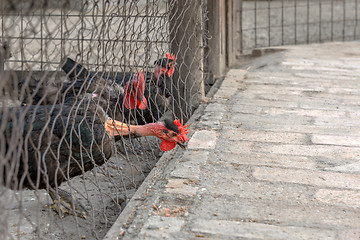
(167, 145)
(170, 72)
(142, 103)
(129, 101)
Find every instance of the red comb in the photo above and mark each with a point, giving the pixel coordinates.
(129, 100)
(172, 59)
(170, 56)
(168, 145)
(140, 88)
(182, 130)
(134, 92)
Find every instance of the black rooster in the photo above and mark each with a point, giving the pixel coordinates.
(42, 146)
(146, 95)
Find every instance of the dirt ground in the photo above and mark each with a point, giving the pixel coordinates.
(103, 191)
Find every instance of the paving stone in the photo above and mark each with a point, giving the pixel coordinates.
(237, 118)
(196, 156)
(300, 78)
(330, 71)
(210, 120)
(287, 111)
(309, 150)
(342, 90)
(260, 191)
(306, 102)
(190, 165)
(231, 84)
(237, 134)
(328, 104)
(311, 62)
(346, 99)
(225, 93)
(244, 230)
(300, 128)
(347, 154)
(266, 159)
(296, 90)
(203, 139)
(347, 198)
(267, 74)
(187, 170)
(224, 172)
(208, 116)
(350, 234)
(329, 77)
(313, 215)
(252, 100)
(180, 186)
(238, 74)
(236, 147)
(315, 178)
(215, 107)
(351, 167)
(157, 227)
(331, 121)
(351, 141)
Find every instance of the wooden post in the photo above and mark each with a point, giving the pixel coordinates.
(217, 43)
(233, 31)
(186, 42)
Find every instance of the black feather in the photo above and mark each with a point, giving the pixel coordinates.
(156, 92)
(66, 140)
(74, 69)
(171, 125)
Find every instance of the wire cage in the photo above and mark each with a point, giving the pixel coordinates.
(68, 70)
(267, 23)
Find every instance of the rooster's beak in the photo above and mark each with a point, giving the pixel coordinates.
(181, 145)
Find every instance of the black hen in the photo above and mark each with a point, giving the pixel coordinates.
(42, 146)
(156, 90)
(46, 145)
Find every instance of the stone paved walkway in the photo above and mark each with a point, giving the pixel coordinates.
(275, 155)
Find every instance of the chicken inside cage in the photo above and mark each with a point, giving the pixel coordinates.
(86, 99)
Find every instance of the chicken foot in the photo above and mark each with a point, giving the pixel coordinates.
(61, 198)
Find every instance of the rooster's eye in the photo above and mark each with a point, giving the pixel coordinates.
(173, 134)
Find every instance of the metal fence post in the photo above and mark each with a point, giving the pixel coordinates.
(186, 42)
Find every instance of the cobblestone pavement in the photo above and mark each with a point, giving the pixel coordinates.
(274, 155)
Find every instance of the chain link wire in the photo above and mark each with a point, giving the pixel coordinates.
(66, 68)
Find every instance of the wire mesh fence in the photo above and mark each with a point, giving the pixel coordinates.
(267, 23)
(90, 90)
(89, 93)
